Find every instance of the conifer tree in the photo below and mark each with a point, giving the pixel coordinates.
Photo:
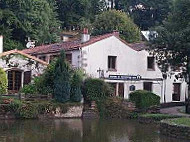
(62, 79)
(76, 94)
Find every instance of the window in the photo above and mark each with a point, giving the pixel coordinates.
(147, 86)
(69, 58)
(112, 62)
(27, 77)
(150, 63)
(14, 80)
(42, 58)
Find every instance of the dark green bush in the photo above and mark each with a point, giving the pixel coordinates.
(96, 89)
(144, 99)
(113, 107)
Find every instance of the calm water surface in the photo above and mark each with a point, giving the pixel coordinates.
(76, 130)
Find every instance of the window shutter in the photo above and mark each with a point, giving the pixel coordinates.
(27, 77)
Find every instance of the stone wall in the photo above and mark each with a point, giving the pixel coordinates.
(182, 132)
(73, 112)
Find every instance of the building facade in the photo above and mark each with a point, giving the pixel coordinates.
(20, 67)
(127, 67)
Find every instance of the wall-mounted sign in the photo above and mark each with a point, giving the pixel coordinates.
(132, 88)
(125, 77)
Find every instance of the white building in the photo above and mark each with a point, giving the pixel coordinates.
(20, 67)
(127, 67)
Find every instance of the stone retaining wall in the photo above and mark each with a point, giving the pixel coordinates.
(146, 120)
(181, 132)
(73, 112)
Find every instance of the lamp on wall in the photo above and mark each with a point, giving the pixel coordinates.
(101, 73)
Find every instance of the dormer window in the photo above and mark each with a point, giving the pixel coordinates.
(151, 63)
(112, 63)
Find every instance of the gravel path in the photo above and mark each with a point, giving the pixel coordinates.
(174, 111)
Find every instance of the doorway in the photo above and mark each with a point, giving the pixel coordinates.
(177, 92)
(14, 81)
(121, 90)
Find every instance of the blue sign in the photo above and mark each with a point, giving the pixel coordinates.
(125, 77)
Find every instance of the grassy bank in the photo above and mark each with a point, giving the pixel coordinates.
(180, 121)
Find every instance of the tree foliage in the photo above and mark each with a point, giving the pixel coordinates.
(3, 82)
(76, 83)
(146, 13)
(172, 46)
(173, 42)
(112, 20)
(20, 19)
(72, 11)
(62, 79)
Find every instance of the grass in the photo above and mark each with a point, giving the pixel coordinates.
(180, 121)
(158, 116)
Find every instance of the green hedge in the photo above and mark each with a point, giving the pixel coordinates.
(144, 99)
(96, 89)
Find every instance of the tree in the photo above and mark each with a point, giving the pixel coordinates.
(72, 11)
(172, 46)
(3, 82)
(145, 13)
(20, 19)
(62, 79)
(112, 20)
(76, 83)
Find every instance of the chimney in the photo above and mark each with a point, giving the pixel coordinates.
(85, 36)
(1, 44)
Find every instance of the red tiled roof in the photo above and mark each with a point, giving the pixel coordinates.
(72, 45)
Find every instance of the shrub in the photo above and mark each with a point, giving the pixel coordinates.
(76, 83)
(27, 111)
(62, 79)
(96, 89)
(3, 82)
(29, 89)
(144, 99)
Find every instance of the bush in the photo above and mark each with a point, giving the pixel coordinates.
(3, 82)
(29, 89)
(144, 99)
(96, 90)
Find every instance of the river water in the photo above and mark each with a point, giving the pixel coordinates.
(76, 130)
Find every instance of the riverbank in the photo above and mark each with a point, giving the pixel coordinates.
(178, 128)
(16, 109)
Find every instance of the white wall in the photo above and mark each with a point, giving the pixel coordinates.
(20, 62)
(129, 62)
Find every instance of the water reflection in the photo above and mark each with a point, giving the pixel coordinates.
(76, 130)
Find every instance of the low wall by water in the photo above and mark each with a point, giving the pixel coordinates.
(72, 112)
(176, 131)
